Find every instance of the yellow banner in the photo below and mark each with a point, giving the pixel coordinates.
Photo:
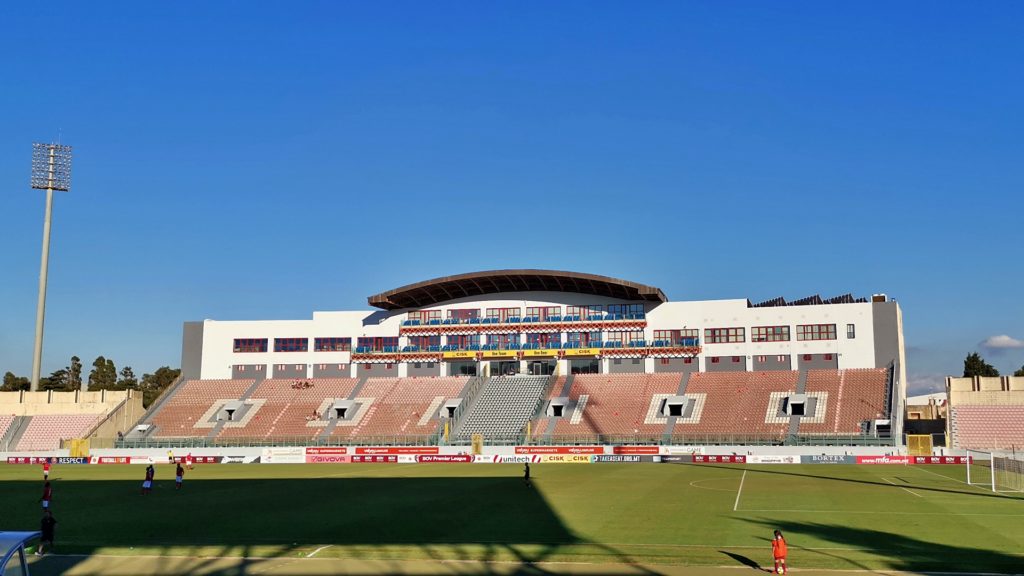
(565, 459)
(499, 353)
(529, 353)
(459, 354)
(582, 352)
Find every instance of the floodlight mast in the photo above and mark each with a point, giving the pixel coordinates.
(51, 170)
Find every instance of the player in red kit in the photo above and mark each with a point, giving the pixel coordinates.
(147, 484)
(779, 552)
(47, 495)
(46, 469)
(178, 475)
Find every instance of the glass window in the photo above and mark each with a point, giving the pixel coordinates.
(332, 344)
(724, 335)
(250, 344)
(816, 332)
(769, 334)
(851, 331)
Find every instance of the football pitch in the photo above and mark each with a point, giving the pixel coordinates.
(483, 519)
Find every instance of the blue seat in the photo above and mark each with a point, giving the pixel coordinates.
(553, 319)
(513, 346)
(473, 347)
(433, 348)
(512, 320)
(474, 320)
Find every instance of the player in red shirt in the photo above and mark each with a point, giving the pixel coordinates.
(46, 469)
(178, 474)
(188, 460)
(779, 552)
(47, 495)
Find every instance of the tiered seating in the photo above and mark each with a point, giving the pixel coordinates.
(404, 407)
(737, 403)
(286, 410)
(853, 397)
(503, 408)
(988, 427)
(192, 399)
(5, 423)
(44, 432)
(617, 404)
(540, 425)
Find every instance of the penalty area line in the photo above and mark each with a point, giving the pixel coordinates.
(736, 504)
(901, 487)
(314, 552)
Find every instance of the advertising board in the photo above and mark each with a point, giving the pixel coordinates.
(565, 458)
(445, 458)
(719, 459)
(649, 450)
(43, 459)
(283, 455)
(379, 459)
(559, 449)
(941, 459)
(616, 458)
(397, 450)
(773, 459)
(828, 459)
(507, 459)
(882, 460)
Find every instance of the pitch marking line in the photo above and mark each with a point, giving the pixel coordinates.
(902, 488)
(736, 504)
(314, 552)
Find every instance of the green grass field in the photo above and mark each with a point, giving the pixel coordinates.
(835, 517)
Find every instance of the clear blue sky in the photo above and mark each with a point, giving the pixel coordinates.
(249, 160)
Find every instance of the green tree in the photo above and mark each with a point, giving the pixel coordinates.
(14, 383)
(57, 380)
(103, 375)
(1019, 372)
(75, 373)
(128, 381)
(975, 365)
(152, 385)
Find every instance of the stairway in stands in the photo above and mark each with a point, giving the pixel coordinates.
(503, 407)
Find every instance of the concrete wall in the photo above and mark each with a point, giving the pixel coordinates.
(420, 369)
(726, 364)
(769, 363)
(290, 371)
(50, 402)
(981, 391)
(677, 365)
(332, 370)
(254, 371)
(122, 419)
(377, 370)
(625, 365)
(818, 362)
(192, 350)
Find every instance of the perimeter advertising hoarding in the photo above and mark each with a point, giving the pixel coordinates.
(941, 459)
(284, 455)
(43, 459)
(327, 455)
(719, 459)
(597, 458)
(565, 458)
(559, 449)
(397, 450)
(507, 459)
(773, 459)
(648, 450)
(445, 459)
(828, 459)
(380, 459)
(883, 460)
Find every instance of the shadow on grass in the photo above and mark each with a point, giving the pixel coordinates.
(742, 560)
(476, 525)
(883, 484)
(899, 551)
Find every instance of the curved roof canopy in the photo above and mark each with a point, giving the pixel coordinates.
(447, 288)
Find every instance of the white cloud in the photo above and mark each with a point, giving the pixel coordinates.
(1002, 342)
(918, 384)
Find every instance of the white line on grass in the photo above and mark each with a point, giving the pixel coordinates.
(313, 553)
(923, 469)
(902, 488)
(883, 512)
(736, 504)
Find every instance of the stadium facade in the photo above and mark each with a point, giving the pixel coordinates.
(543, 322)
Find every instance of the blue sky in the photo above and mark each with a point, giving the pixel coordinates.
(249, 160)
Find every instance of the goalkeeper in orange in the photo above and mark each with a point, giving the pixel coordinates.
(779, 552)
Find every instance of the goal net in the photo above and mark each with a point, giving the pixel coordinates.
(997, 471)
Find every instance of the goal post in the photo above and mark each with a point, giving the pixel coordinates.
(996, 471)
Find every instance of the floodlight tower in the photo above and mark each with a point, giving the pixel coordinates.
(51, 170)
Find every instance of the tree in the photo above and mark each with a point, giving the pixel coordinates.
(152, 385)
(1019, 372)
(975, 365)
(128, 381)
(75, 373)
(14, 383)
(103, 375)
(58, 380)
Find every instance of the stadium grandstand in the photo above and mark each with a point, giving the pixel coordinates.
(986, 413)
(541, 356)
(36, 421)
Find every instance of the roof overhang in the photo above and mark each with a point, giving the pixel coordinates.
(447, 288)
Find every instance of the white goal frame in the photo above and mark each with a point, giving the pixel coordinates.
(996, 471)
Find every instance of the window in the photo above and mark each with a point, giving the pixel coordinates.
(542, 313)
(781, 359)
(625, 309)
(502, 314)
(584, 312)
(687, 360)
(626, 336)
(762, 359)
(724, 335)
(291, 344)
(685, 337)
(332, 344)
(378, 343)
(851, 331)
(425, 316)
(424, 341)
(715, 360)
(735, 359)
(463, 340)
(665, 361)
(501, 340)
(544, 339)
(769, 334)
(250, 345)
(582, 339)
(464, 315)
(816, 332)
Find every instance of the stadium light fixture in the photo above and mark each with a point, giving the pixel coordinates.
(51, 170)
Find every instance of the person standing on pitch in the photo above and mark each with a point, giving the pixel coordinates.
(147, 484)
(779, 552)
(47, 495)
(526, 473)
(46, 532)
(46, 469)
(178, 474)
